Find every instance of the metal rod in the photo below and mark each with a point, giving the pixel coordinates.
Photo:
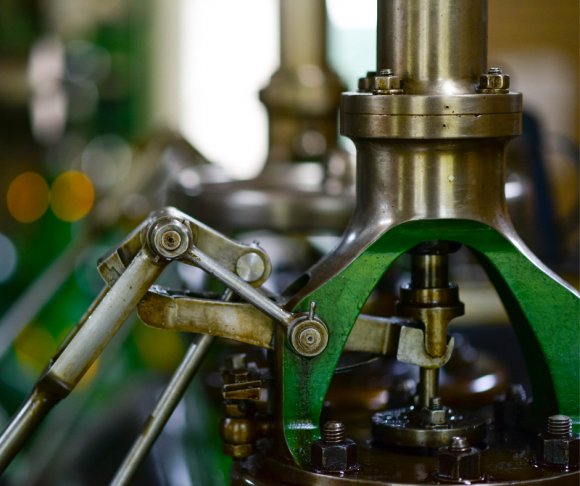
(428, 385)
(165, 406)
(199, 259)
(430, 271)
(105, 321)
(77, 357)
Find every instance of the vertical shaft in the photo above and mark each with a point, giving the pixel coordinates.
(428, 386)
(302, 33)
(430, 271)
(434, 46)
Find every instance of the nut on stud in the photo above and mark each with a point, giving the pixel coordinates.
(169, 238)
(308, 334)
(386, 83)
(494, 82)
(459, 462)
(334, 453)
(435, 416)
(559, 446)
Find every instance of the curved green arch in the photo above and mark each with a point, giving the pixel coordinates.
(545, 315)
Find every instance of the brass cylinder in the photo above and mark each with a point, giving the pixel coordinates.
(430, 272)
(434, 46)
(302, 33)
(428, 386)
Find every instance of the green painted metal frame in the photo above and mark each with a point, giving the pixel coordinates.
(544, 312)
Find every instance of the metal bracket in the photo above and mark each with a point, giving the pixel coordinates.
(403, 339)
(248, 261)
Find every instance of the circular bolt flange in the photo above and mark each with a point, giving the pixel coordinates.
(169, 238)
(250, 267)
(308, 334)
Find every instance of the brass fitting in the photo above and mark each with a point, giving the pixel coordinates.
(494, 82)
(386, 83)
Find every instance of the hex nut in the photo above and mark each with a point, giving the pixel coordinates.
(388, 85)
(494, 83)
(553, 450)
(459, 463)
(334, 457)
(437, 418)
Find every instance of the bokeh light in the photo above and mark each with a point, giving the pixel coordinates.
(71, 196)
(8, 258)
(28, 197)
(34, 346)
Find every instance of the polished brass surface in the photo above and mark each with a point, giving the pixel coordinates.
(434, 46)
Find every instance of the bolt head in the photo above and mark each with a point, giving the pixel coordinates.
(558, 451)
(463, 465)
(334, 457)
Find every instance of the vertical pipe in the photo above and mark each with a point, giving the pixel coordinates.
(430, 271)
(302, 33)
(434, 46)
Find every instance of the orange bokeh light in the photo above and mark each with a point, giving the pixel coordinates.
(28, 197)
(71, 196)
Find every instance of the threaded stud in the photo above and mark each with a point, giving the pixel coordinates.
(559, 425)
(435, 403)
(459, 444)
(494, 70)
(386, 72)
(333, 432)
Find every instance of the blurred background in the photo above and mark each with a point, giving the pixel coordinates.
(105, 105)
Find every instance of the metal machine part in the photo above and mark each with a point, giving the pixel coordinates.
(307, 182)
(430, 171)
